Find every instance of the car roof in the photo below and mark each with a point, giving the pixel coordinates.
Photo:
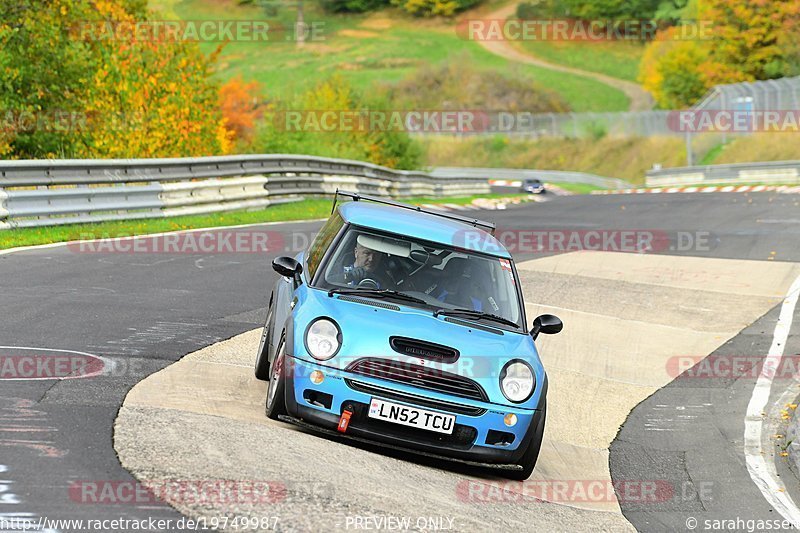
(421, 225)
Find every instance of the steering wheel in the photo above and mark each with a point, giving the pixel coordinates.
(368, 283)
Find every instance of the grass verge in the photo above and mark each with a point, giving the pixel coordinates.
(307, 209)
(576, 188)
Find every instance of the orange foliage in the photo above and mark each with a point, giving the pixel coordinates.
(241, 108)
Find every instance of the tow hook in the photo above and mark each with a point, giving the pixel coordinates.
(344, 420)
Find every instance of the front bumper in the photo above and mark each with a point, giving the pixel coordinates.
(476, 425)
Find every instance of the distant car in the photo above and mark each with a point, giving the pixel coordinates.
(407, 327)
(532, 186)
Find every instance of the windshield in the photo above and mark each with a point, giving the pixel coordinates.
(441, 277)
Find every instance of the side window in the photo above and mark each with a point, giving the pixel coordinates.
(322, 242)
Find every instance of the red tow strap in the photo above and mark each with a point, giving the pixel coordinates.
(344, 421)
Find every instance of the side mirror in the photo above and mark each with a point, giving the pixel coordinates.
(287, 267)
(547, 324)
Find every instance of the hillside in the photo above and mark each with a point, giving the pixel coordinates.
(386, 46)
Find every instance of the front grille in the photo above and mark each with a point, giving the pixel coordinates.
(419, 376)
(423, 349)
(420, 401)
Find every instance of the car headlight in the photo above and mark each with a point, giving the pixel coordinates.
(323, 339)
(517, 381)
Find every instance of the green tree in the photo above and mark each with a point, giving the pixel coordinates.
(42, 70)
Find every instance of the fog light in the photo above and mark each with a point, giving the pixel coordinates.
(317, 377)
(510, 419)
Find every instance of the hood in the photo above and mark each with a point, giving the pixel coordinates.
(368, 327)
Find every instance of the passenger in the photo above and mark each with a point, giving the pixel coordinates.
(460, 288)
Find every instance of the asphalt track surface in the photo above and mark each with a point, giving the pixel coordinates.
(133, 308)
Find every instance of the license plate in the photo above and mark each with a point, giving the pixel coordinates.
(411, 416)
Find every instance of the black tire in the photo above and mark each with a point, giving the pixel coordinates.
(262, 357)
(276, 392)
(528, 461)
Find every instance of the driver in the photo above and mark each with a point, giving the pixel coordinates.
(367, 265)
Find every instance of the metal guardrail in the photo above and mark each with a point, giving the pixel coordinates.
(515, 174)
(772, 172)
(55, 192)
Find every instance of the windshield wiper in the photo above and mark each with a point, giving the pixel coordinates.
(471, 313)
(379, 293)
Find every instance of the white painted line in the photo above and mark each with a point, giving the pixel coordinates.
(763, 474)
(729, 188)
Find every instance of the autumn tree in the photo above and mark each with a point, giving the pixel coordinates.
(745, 40)
(751, 39)
(133, 98)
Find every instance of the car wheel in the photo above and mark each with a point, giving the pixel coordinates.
(262, 358)
(528, 461)
(276, 392)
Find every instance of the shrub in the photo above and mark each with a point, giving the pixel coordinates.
(670, 70)
(433, 8)
(455, 85)
(352, 6)
(388, 147)
(241, 108)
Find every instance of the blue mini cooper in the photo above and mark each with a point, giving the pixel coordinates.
(406, 327)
